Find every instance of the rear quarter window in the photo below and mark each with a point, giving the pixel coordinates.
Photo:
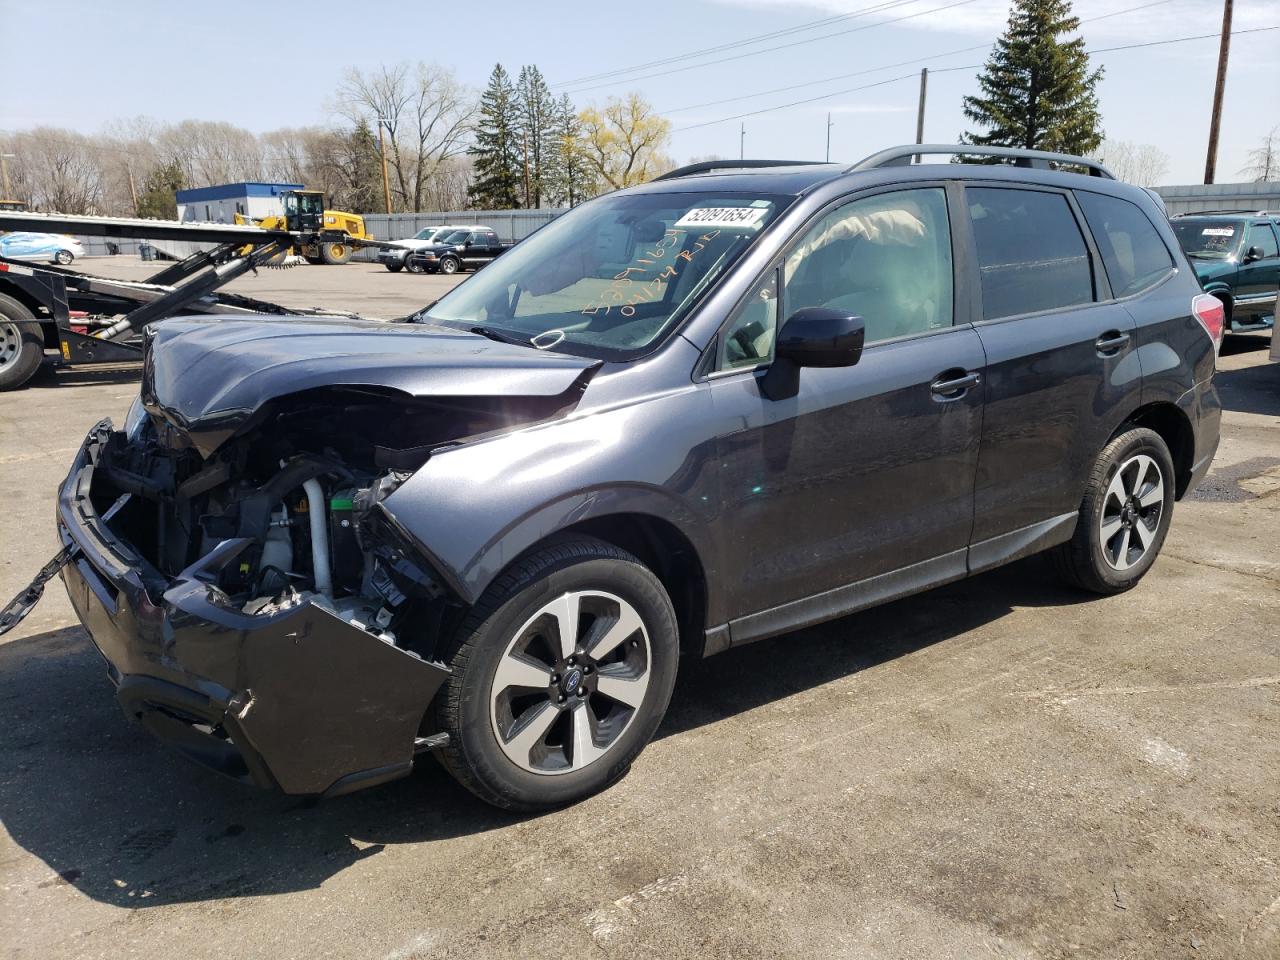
(1133, 254)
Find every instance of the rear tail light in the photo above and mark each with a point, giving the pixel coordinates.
(1212, 316)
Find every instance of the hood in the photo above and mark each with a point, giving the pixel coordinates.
(1207, 270)
(209, 377)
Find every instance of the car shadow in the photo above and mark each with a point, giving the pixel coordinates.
(128, 823)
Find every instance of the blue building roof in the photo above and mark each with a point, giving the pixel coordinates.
(233, 191)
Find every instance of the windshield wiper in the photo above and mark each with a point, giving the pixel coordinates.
(501, 336)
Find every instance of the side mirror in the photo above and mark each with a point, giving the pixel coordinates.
(467, 244)
(812, 337)
(1252, 254)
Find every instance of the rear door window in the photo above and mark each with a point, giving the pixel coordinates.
(1031, 253)
(1132, 252)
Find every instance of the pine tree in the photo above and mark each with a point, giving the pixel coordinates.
(159, 192)
(567, 179)
(496, 151)
(537, 115)
(1037, 90)
(363, 170)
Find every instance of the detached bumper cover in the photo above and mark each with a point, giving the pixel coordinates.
(300, 699)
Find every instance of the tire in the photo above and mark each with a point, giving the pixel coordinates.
(314, 261)
(335, 254)
(562, 757)
(394, 267)
(449, 265)
(1124, 517)
(63, 257)
(414, 266)
(21, 344)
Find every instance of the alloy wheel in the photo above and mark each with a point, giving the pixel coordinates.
(1131, 512)
(570, 682)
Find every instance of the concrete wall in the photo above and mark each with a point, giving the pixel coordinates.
(1196, 198)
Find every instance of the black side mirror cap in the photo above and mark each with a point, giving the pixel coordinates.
(1252, 254)
(812, 337)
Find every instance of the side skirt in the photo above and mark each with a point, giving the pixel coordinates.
(894, 585)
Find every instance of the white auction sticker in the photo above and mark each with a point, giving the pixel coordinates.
(1218, 232)
(740, 218)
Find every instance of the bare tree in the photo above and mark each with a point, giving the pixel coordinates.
(58, 170)
(1264, 160)
(1140, 163)
(426, 114)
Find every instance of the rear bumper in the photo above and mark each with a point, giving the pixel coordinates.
(298, 700)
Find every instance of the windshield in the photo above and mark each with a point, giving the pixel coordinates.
(610, 277)
(1209, 239)
(457, 236)
(426, 233)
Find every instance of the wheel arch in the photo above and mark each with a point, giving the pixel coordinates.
(1174, 427)
(1223, 292)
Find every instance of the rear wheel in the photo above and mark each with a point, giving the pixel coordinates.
(335, 253)
(21, 344)
(1124, 517)
(449, 265)
(561, 675)
(64, 257)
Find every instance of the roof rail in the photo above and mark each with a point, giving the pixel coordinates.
(1232, 211)
(706, 166)
(901, 156)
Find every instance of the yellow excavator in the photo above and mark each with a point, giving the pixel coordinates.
(324, 236)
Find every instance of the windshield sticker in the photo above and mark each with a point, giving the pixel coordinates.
(726, 218)
(654, 270)
(1218, 232)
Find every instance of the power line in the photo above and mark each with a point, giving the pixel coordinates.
(747, 41)
(887, 66)
(881, 83)
(782, 46)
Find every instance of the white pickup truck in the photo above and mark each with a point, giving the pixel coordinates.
(395, 258)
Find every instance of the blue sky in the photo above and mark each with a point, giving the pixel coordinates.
(215, 62)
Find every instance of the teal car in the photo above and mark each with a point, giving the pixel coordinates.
(1237, 258)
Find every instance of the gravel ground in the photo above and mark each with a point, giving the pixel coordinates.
(999, 768)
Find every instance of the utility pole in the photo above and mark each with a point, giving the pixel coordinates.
(1215, 121)
(742, 143)
(919, 113)
(829, 126)
(4, 172)
(386, 182)
(133, 187)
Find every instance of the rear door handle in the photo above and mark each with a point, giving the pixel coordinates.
(1110, 343)
(954, 389)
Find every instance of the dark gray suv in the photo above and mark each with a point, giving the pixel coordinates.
(740, 399)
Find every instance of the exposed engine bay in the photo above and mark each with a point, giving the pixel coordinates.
(303, 484)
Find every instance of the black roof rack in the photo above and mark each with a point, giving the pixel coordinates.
(706, 166)
(1233, 212)
(901, 156)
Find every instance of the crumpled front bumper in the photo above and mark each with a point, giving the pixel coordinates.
(300, 699)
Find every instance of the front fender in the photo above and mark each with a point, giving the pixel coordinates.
(474, 508)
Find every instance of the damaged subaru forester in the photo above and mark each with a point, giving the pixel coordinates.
(735, 401)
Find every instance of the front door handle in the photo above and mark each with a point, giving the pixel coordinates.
(1111, 342)
(954, 388)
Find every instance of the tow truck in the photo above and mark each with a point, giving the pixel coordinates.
(69, 317)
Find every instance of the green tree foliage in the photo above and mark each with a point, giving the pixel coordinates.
(361, 168)
(158, 196)
(567, 178)
(537, 110)
(496, 152)
(1037, 89)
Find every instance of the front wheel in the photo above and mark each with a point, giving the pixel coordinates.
(561, 675)
(449, 265)
(64, 257)
(335, 254)
(414, 266)
(1124, 517)
(394, 267)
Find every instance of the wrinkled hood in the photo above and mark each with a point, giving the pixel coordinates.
(209, 376)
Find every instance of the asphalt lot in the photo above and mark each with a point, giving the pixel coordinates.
(999, 768)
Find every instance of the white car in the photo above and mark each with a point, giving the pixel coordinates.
(43, 247)
(396, 260)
